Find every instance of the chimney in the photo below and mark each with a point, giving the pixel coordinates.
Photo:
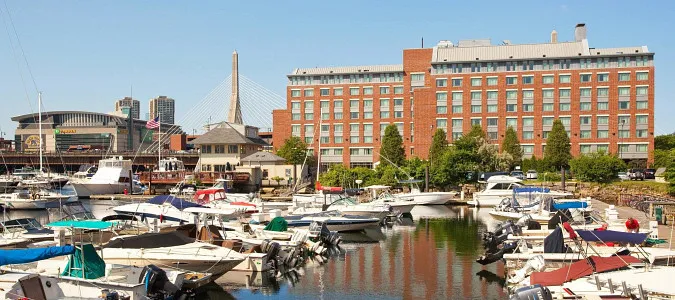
(554, 36)
(580, 32)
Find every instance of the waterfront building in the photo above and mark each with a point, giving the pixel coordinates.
(165, 108)
(128, 105)
(603, 96)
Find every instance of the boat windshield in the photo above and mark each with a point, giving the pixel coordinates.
(345, 201)
(21, 224)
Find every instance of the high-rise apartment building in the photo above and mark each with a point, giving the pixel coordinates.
(604, 97)
(133, 105)
(164, 107)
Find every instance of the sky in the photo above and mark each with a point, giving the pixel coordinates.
(83, 55)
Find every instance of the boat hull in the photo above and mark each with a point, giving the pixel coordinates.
(334, 225)
(435, 198)
(213, 266)
(86, 190)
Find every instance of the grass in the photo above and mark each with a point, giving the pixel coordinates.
(655, 187)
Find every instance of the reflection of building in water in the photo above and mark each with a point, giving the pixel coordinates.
(424, 264)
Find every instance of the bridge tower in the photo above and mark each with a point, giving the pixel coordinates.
(234, 115)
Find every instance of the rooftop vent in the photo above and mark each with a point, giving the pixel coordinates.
(580, 32)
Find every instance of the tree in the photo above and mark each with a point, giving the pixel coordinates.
(470, 141)
(511, 145)
(278, 179)
(392, 151)
(293, 151)
(597, 167)
(664, 142)
(439, 144)
(489, 159)
(557, 152)
(663, 158)
(415, 168)
(453, 168)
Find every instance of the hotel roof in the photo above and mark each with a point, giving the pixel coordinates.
(348, 70)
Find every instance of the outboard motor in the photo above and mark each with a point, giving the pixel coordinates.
(157, 283)
(493, 239)
(536, 291)
(534, 264)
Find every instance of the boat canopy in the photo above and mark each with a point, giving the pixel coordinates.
(278, 224)
(376, 187)
(150, 240)
(410, 181)
(85, 259)
(208, 195)
(22, 256)
(581, 269)
(214, 211)
(173, 200)
(530, 189)
(569, 204)
(612, 236)
(84, 224)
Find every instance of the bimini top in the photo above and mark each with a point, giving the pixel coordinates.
(570, 204)
(530, 189)
(581, 268)
(22, 256)
(173, 200)
(612, 236)
(83, 224)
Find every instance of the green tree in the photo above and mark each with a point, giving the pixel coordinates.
(663, 158)
(471, 141)
(386, 175)
(557, 153)
(453, 168)
(439, 144)
(293, 150)
(415, 168)
(597, 167)
(511, 145)
(489, 159)
(392, 151)
(664, 142)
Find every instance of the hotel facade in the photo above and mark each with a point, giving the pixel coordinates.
(603, 96)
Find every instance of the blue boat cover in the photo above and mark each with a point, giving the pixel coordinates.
(570, 204)
(612, 236)
(87, 260)
(530, 189)
(22, 256)
(176, 202)
(84, 224)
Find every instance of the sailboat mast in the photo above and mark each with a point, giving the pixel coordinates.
(40, 126)
(318, 154)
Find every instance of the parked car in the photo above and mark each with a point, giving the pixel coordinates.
(623, 176)
(518, 174)
(636, 174)
(531, 174)
(650, 173)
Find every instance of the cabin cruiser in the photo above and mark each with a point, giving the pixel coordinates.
(348, 206)
(499, 187)
(8, 181)
(227, 185)
(425, 198)
(112, 177)
(380, 195)
(34, 198)
(538, 205)
(334, 220)
(170, 164)
(84, 174)
(219, 199)
(165, 209)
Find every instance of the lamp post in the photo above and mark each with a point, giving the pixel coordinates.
(431, 153)
(358, 183)
(623, 122)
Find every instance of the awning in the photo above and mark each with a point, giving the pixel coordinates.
(580, 269)
(22, 256)
(176, 202)
(570, 204)
(612, 236)
(84, 224)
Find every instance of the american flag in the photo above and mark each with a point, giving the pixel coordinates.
(152, 124)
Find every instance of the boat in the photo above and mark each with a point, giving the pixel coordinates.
(34, 198)
(228, 185)
(170, 164)
(112, 177)
(540, 207)
(380, 195)
(348, 206)
(219, 199)
(165, 209)
(8, 181)
(425, 198)
(498, 187)
(85, 173)
(171, 250)
(334, 220)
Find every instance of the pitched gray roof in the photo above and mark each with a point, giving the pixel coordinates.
(348, 70)
(226, 135)
(262, 156)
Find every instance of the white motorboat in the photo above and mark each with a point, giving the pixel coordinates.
(349, 206)
(227, 185)
(334, 220)
(425, 198)
(112, 177)
(172, 250)
(33, 199)
(219, 199)
(380, 196)
(170, 164)
(540, 207)
(165, 209)
(499, 187)
(7, 181)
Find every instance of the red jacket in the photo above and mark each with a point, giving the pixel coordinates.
(632, 224)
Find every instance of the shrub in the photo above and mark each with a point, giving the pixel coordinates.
(597, 167)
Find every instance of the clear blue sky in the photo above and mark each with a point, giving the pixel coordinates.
(86, 54)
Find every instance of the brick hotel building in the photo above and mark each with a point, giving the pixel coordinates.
(604, 97)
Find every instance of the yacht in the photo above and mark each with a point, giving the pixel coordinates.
(84, 174)
(7, 181)
(349, 206)
(112, 177)
(163, 208)
(34, 198)
(170, 164)
(425, 198)
(380, 195)
(499, 187)
(334, 220)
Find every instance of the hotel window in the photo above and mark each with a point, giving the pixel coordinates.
(528, 79)
(602, 134)
(492, 108)
(641, 90)
(354, 103)
(337, 103)
(295, 130)
(324, 104)
(528, 94)
(441, 82)
(354, 139)
(642, 75)
(384, 103)
(337, 92)
(354, 115)
(367, 77)
(585, 134)
(295, 93)
(491, 67)
(354, 128)
(367, 127)
(295, 116)
(384, 90)
(367, 139)
(324, 140)
(623, 148)
(309, 129)
(475, 67)
(642, 61)
(603, 120)
(585, 120)
(564, 63)
(512, 122)
(547, 107)
(475, 95)
(338, 127)
(585, 92)
(547, 93)
(476, 122)
(384, 114)
(623, 62)
(309, 93)
(325, 128)
(368, 103)
(416, 77)
(547, 65)
(527, 149)
(641, 105)
(456, 123)
(456, 136)
(398, 102)
(585, 63)
(511, 107)
(564, 79)
(398, 90)
(603, 92)
(624, 105)
(641, 119)
(324, 92)
(528, 107)
(492, 121)
(476, 81)
(624, 76)
(338, 140)
(456, 68)
(441, 109)
(604, 77)
(547, 79)
(337, 115)
(354, 91)
(641, 148)
(602, 62)
(564, 107)
(456, 96)
(528, 135)
(309, 104)
(565, 121)
(544, 135)
(441, 96)
(325, 116)
(324, 151)
(398, 114)
(602, 148)
(456, 109)
(641, 133)
(309, 116)
(493, 136)
(564, 93)
(456, 82)
(585, 149)
(511, 66)
(367, 90)
(528, 121)
(295, 105)
(624, 134)
(547, 120)
(476, 108)
(492, 95)
(585, 77)
(512, 95)
(491, 81)
(337, 152)
(368, 115)
(511, 80)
